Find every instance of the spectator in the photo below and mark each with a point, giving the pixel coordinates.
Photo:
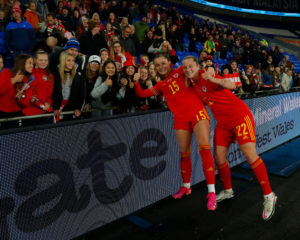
(218, 47)
(11, 83)
(148, 40)
(268, 78)
(141, 27)
(203, 54)
(54, 25)
(108, 32)
(167, 50)
(118, 54)
(246, 53)
(124, 22)
(153, 76)
(84, 26)
(72, 47)
(76, 21)
(283, 62)
(124, 10)
(225, 69)
(38, 98)
(225, 46)
(104, 55)
(130, 100)
(91, 41)
(66, 20)
(96, 18)
(144, 60)
(107, 91)
(135, 41)
(42, 10)
(287, 80)
(127, 42)
(269, 61)
(19, 35)
(91, 74)
(31, 15)
(249, 80)
(277, 77)
(5, 6)
(193, 40)
(68, 91)
(158, 40)
(133, 13)
(3, 21)
(114, 22)
(209, 45)
(237, 51)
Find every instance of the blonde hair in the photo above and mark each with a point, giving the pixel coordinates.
(112, 52)
(61, 69)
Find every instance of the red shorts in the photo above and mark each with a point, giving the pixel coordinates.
(243, 132)
(191, 119)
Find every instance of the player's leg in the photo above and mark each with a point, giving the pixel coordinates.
(184, 139)
(201, 131)
(245, 133)
(222, 140)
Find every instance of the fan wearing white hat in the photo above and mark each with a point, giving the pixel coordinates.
(91, 74)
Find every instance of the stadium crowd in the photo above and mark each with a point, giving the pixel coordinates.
(82, 55)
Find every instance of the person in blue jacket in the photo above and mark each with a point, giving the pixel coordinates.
(19, 35)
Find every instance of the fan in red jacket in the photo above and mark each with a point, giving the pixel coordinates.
(38, 98)
(13, 84)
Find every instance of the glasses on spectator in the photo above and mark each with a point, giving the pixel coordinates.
(117, 46)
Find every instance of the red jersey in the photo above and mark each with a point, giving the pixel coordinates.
(42, 89)
(227, 108)
(181, 100)
(8, 102)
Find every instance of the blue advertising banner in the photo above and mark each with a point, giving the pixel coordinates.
(284, 8)
(268, 5)
(62, 182)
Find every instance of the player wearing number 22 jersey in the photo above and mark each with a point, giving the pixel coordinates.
(234, 118)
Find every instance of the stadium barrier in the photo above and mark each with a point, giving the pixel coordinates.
(66, 180)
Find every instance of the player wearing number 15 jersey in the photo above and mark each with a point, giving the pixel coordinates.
(189, 116)
(234, 122)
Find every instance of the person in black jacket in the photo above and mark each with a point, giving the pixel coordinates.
(92, 40)
(68, 89)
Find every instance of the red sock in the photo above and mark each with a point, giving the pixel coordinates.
(261, 174)
(186, 167)
(207, 163)
(225, 175)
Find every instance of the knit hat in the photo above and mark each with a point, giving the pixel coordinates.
(16, 8)
(72, 43)
(128, 63)
(94, 58)
(209, 57)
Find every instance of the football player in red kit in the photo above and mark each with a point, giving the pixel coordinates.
(234, 123)
(190, 116)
